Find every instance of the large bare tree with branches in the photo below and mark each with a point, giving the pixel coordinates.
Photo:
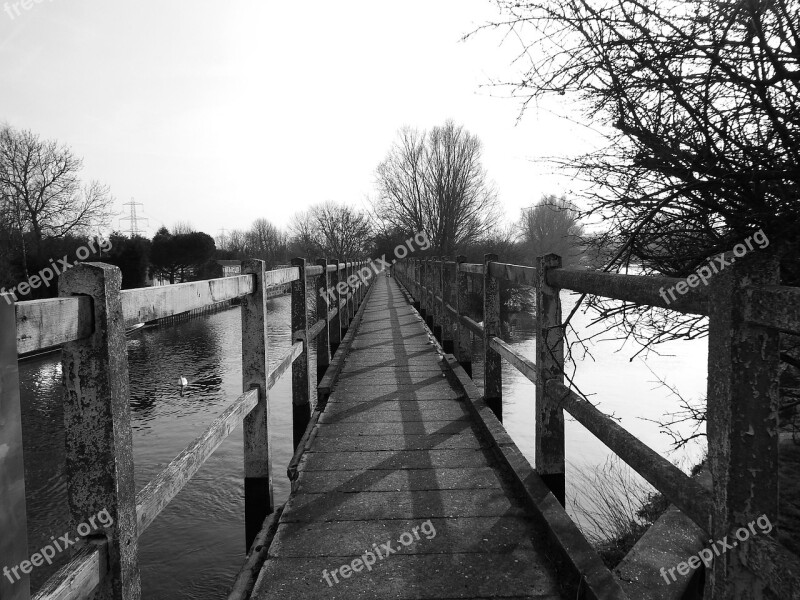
(700, 103)
(40, 184)
(333, 229)
(435, 182)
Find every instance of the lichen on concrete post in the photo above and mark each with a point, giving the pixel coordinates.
(492, 364)
(742, 420)
(323, 339)
(258, 493)
(13, 514)
(549, 444)
(301, 394)
(463, 337)
(97, 423)
(332, 300)
(446, 285)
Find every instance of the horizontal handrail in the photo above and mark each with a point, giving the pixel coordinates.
(638, 289)
(47, 323)
(149, 304)
(157, 494)
(474, 268)
(514, 273)
(521, 363)
(680, 489)
(316, 329)
(78, 578)
(285, 362)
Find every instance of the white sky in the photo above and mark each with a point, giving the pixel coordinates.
(218, 113)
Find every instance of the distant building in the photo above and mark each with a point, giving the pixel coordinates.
(230, 268)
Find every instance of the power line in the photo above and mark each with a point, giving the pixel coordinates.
(134, 219)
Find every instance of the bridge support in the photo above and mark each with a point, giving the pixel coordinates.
(324, 337)
(258, 497)
(301, 393)
(463, 341)
(97, 424)
(446, 285)
(13, 516)
(550, 459)
(492, 363)
(743, 400)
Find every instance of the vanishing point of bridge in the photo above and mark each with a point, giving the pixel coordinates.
(404, 481)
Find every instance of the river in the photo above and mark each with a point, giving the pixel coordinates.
(194, 549)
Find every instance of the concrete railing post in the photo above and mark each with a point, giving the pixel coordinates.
(414, 274)
(13, 515)
(446, 285)
(341, 295)
(549, 444)
(301, 392)
(463, 337)
(332, 301)
(492, 363)
(438, 305)
(430, 302)
(97, 425)
(742, 426)
(324, 337)
(423, 281)
(258, 494)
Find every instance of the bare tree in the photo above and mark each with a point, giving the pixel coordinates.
(182, 228)
(435, 182)
(700, 104)
(266, 242)
(342, 230)
(305, 240)
(551, 226)
(39, 179)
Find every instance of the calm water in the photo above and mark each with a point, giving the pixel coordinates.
(196, 546)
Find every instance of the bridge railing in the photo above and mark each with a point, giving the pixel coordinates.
(747, 312)
(89, 319)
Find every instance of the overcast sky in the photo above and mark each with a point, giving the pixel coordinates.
(218, 113)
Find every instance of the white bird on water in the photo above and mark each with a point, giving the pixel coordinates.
(183, 382)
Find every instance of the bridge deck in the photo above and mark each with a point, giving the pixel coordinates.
(397, 460)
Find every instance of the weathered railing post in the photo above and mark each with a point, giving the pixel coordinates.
(258, 498)
(301, 393)
(332, 300)
(341, 296)
(414, 273)
(350, 291)
(463, 341)
(436, 284)
(742, 427)
(423, 296)
(430, 302)
(97, 425)
(492, 365)
(446, 285)
(321, 302)
(13, 516)
(549, 444)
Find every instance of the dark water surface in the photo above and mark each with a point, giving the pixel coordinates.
(195, 548)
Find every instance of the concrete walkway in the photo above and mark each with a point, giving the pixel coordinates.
(399, 487)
